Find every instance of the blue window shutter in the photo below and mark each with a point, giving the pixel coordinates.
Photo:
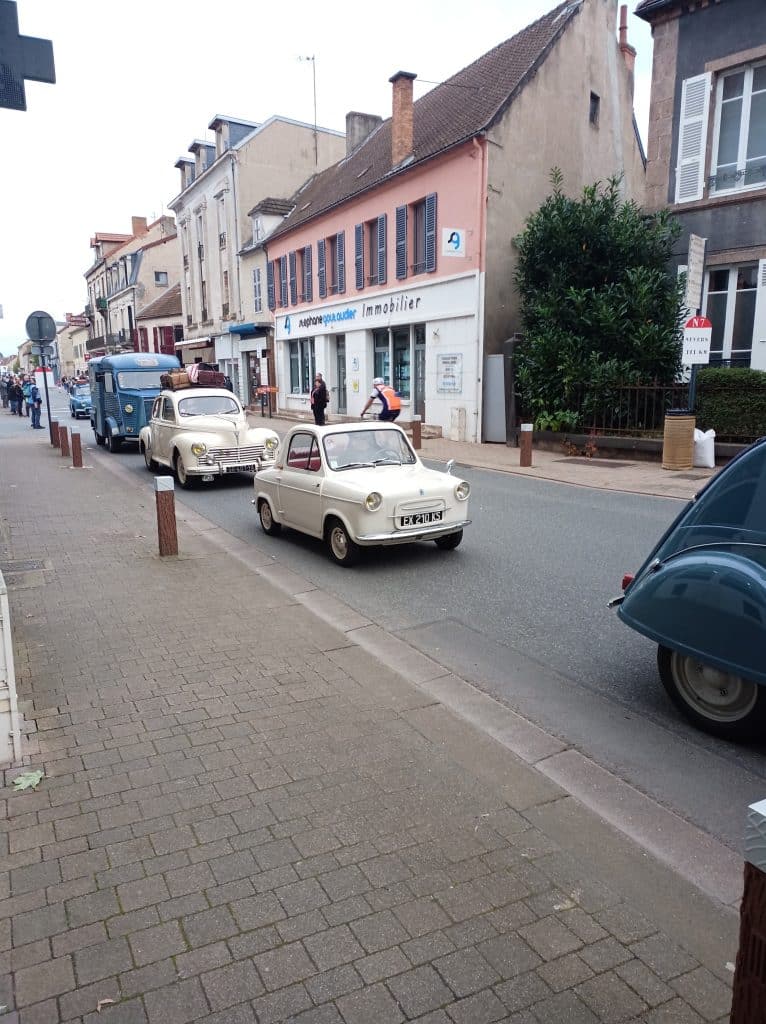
(431, 231)
(283, 280)
(401, 242)
(270, 284)
(382, 249)
(340, 249)
(359, 254)
(293, 281)
(309, 272)
(322, 267)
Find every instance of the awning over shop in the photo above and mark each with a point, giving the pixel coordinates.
(248, 330)
(194, 343)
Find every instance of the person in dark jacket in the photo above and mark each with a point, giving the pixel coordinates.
(17, 398)
(319, 400)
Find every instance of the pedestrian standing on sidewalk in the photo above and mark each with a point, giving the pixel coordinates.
(5, 385)
(37, 405)
(17, 398)
(26, 389)
(319, 400)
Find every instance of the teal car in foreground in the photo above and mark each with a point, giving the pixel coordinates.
(79, 401)
(701, 596)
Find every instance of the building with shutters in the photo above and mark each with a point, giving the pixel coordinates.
(707, 157)
(221, 184)
(398, 262)
(160, 324)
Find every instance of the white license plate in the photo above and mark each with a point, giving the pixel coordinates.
(242, 469)
(208, 478)
(421, 518)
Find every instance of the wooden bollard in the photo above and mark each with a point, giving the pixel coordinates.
(64, 441)
(525, 445)
(166, 515)
(55, 434)
(76, 451)
(416, 432)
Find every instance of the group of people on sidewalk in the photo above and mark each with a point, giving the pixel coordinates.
(23, 397)
(390, 401)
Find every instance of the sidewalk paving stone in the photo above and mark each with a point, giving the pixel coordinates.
(234, 827)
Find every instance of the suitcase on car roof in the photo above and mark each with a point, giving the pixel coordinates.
(211, 379)
(175, 380)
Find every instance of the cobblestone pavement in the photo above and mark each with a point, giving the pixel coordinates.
(246, 819)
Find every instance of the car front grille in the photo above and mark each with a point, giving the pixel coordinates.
(247, 455)
(404, 508)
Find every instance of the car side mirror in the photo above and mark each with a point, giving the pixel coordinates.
(450, 466)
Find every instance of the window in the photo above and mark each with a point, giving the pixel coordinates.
(257, 299)
(376, 249)
(424, 235)
(258, 232)
(304, 453)
(401, 347)
(283, 280)
(308, 285)
(595, 104)
(225, 293)
(381, 354)
(302, 367)
(731, 294)
(740, 143)
(392, 348)
(161, 278)
(332, 265)
(292, 260)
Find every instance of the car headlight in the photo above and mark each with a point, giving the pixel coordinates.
(128, 408)
(373, 501)
(271, 444)
(462, 490)
(198, 448)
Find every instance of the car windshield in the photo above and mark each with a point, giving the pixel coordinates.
(353, 448)
(139, 380)
(207, 405)
(82, 391)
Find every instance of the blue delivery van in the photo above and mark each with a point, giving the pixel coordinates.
(123, 389)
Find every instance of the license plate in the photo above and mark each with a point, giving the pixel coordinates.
(207, 478)
(242, 469)
(421, 518)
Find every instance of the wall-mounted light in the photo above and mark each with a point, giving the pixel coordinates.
(435, 332)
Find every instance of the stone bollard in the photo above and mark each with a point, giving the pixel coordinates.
(525, 445)
(76, 451)
(55, 434)
(166, 515)
(749, 988)
(416, 432)
(64, 441)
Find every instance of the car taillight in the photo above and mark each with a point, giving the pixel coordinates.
(627, 579)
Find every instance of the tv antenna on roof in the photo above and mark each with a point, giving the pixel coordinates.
(314, 76)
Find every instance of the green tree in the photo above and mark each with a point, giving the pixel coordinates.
(599, 305)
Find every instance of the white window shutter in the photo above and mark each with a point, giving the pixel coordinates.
(692, 138)
(758, 356)
(685, 311)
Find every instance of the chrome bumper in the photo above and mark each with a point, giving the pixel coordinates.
(420, 533)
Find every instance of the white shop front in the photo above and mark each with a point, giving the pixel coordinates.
(425, 340)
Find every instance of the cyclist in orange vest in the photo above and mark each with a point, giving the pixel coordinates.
(392, 404)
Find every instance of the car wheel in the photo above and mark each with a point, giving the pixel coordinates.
(151, 465)
(343, 550)
(186, 481)
(450, 542)
(266, 516)
(113, 444)
(717, 702)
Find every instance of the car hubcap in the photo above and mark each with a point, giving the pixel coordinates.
(715, 694)
(339, 542)
(266, 515)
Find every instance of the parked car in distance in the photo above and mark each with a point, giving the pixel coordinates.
(79, 401)
(701, 596)
(203, 433)
(357, 485)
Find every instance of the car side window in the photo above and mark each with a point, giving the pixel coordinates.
(167, 410)
(315, 462)
(156, 408)
(299, 452)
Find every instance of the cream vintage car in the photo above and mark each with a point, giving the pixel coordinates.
(202, 433)
(358, 485)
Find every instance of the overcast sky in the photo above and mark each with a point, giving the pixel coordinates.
(136, 82)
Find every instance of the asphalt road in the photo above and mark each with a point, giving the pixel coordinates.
(520, 610)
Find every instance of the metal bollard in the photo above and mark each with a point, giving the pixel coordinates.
(416, 433)
(525, 445)
(64, 441)
(55, 434)
(166, 515)
(76, 451)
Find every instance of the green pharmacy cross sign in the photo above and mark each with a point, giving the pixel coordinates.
(21, 57)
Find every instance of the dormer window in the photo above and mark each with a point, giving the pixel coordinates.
(258, 231)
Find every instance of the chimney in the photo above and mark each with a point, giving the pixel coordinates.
(358, 128)
(138, 226)
(628, 52)
(401, 117)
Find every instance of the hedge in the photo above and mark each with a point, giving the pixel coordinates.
(732, 401)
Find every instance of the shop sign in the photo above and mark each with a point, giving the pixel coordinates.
(449, 373)
(453, 242)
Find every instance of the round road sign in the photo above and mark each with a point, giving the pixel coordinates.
(41, 326)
